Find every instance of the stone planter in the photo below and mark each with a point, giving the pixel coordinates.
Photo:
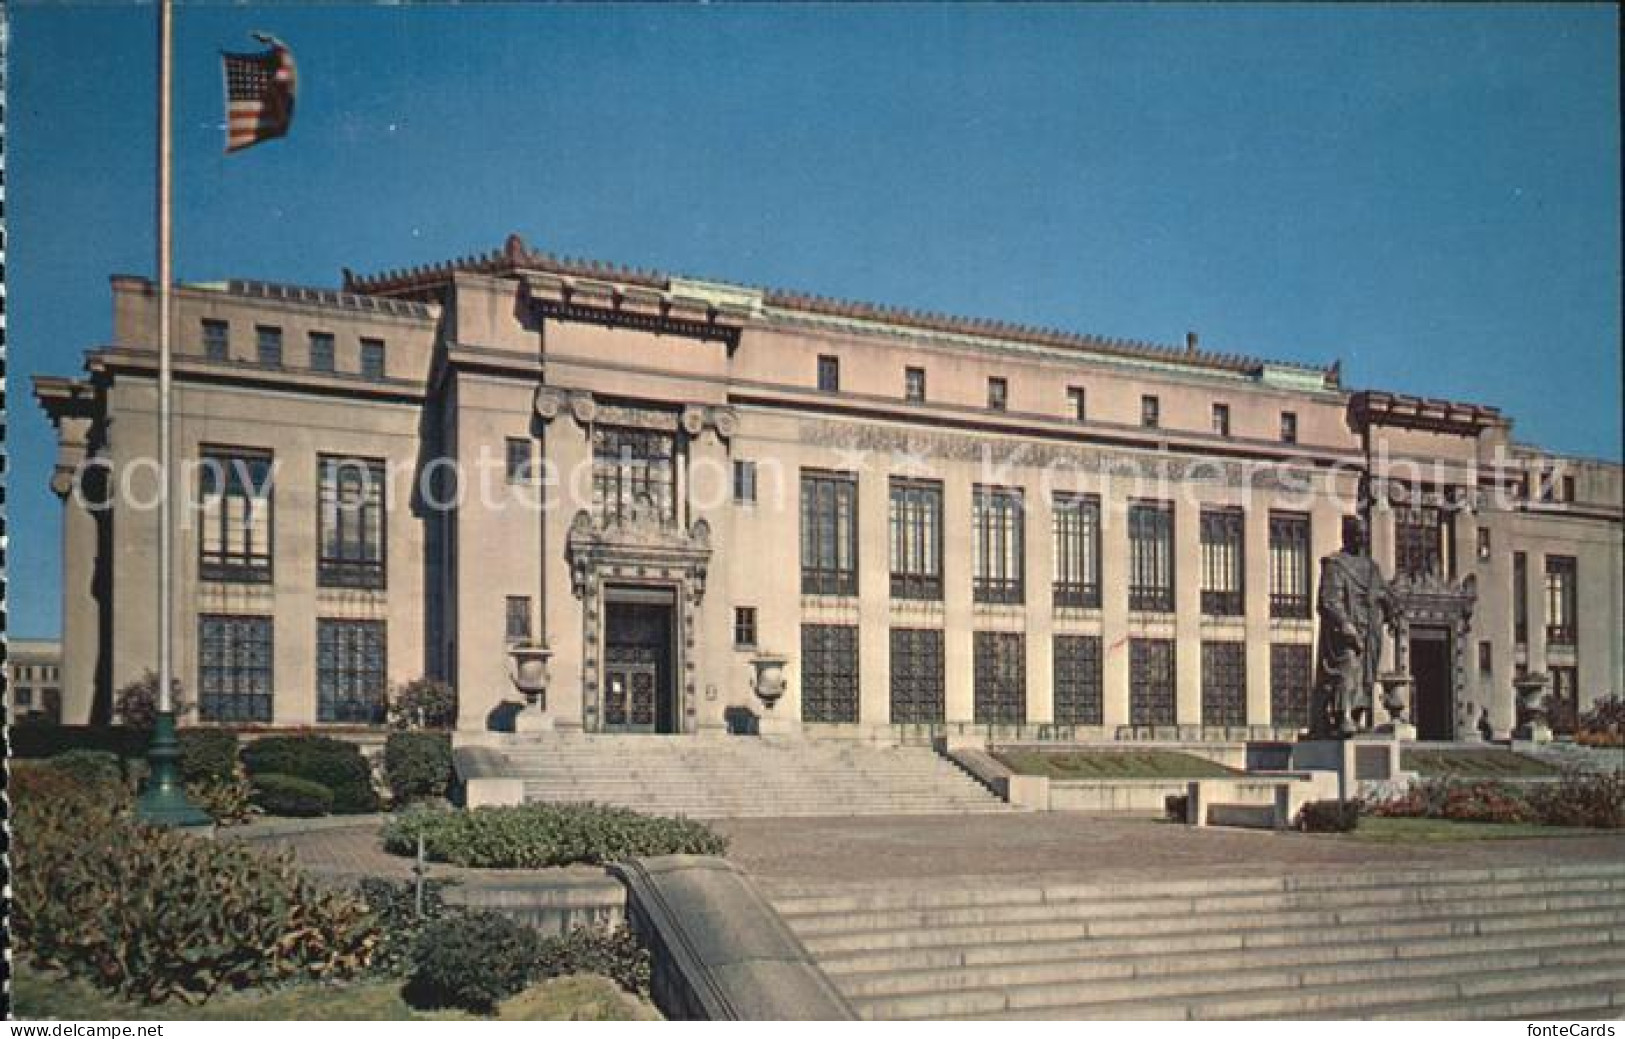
(1533, 725)
(527, 670)
(1396, 700)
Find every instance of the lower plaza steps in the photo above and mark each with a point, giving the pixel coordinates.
(739, 776)
(1502, 943)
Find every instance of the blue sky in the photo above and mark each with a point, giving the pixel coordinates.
(1429, 193)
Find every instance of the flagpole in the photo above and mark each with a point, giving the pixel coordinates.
(164, 800)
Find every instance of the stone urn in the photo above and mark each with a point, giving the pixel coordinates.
(1396, 700)
(1533, 724)
(768, 682)
(527, 670)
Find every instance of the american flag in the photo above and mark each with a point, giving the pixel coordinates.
(259, 95)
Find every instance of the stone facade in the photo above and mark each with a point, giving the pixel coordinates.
(673, 482)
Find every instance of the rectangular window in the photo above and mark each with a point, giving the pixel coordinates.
(1151, 557)
(1520, 598)
(1483, 544)
(350, 671)
(1150, 412)
(829, 373)
(1290, 678)
(916, 676)
(1224, 683)
(914, 384)
(633, 473)
(351, 498)
(1221, 420)
(829, 673)
(1419, 541)
(1077, 403)
(1151, 681)
(744, 627)
(1000, 551)
(235, 496)
(1289, 427)
(1077, 550)
(234, 668)
(1486, 662)
(829, 534)
(1078, 686)
(216, 340)
(372, 359)
(517, 624)
(1001, 678)
(1564, 714)
(518, 459)
(1561, 600)
(269, 342)
(1568, 488)
(998, 393)
(321, 351)
(916, 539)
(1289, 565)
(744, 481)
(1223, 566)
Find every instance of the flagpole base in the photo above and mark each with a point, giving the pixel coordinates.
(164, 802)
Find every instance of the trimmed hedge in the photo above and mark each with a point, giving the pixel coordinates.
(335, 764)
(472, 960)
(102, 766)
(45, 741)
(278, 794)
(207, 754)
(537, 835)
(417, 765)
(1329, 816)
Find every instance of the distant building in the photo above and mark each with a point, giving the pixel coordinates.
(34, 680)
(935, 521)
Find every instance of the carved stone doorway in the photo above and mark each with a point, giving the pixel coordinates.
(639, 687)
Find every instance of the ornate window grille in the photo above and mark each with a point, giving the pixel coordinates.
(1290, 678)
(916, 676)
(1001, 677)
(1077, 550)
(1224, 683)
(1078, 687)
(1420, 542)
(236, 494)
(1151, 557)
(916, 539)
(829, 673)
(829, 534)
(1000, 559)
(1151, 682)
(1223, 569)
(1289, 565)
(351, 497)
(234, 668)
(1561, 600)
(634, 473)
(350, 668)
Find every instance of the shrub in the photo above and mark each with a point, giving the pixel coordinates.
(1582, 800)
(423, 703)
(45, 741)
(1176, 807)
(417, 764)
(207, 754)
(92, 765)
(228, 801)
(1329, 816)
(1603, 723)
(335, 764)
(38, 786)
(278, 794)
(611, 952)
(152, 913)
(471, 960)
(538, 835)
(137, 703)
(394, 906)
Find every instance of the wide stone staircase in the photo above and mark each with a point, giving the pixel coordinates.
(1502, 943)
(737, 776)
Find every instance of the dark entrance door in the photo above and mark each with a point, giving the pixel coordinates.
(637, 685)
(1431, 670)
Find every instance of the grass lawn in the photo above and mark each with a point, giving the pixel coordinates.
(1381, 830)
(1487, 763)
(45, 996)
(1111, 764)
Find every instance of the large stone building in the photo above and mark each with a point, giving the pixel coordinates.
(672, 482)
(34, 673)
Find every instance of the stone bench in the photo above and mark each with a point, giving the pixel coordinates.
(1266, 801)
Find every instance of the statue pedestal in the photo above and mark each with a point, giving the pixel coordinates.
(533, 719)
(1402, 731)
(1367, 757)
(777, 725)
(1535, 732)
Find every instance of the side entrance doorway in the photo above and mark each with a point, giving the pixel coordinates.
(639, 686)
(1434, 690)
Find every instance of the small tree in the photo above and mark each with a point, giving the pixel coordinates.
(137, 703)
(423, 703)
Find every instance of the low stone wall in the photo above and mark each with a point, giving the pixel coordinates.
(553, 901)
(1126, 796)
